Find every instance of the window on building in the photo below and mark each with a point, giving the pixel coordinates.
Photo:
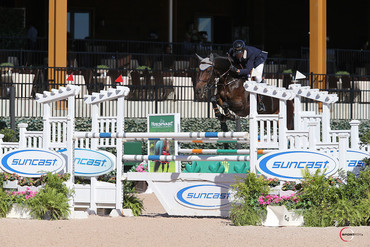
(78, 24)
(205, 25)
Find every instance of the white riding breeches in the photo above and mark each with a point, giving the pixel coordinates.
(259, 70)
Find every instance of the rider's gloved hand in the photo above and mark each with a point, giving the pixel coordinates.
(232, 68)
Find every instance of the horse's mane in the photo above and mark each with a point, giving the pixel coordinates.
(221, 63)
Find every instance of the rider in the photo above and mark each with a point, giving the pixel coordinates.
(244, 59)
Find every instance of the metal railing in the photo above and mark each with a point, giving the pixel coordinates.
(158, 91)
(133, 53)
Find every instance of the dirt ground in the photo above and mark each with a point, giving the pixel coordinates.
(156, 228)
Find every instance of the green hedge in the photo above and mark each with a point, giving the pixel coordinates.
(187, 125)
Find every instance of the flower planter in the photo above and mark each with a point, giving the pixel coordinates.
(10, 184)
(280, 216)
(19, 212)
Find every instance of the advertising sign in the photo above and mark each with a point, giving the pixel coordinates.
(163, 123)
(32, 162)
(204, 196)
(288, 165)
(355, 159)
(90, 163)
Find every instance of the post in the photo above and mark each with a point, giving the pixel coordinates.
(325, 122)
(94, 146)
(119, 145)
(312, 127)
(70, 146)
(22, 135)
(355, 140)
(343, 146)
(46, 132)
(253, 132)
(282, 124)
(170, 22)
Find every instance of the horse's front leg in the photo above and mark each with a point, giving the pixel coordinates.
(216, 101)
(225, 107)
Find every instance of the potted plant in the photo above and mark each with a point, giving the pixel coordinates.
(281, 210)
(102, 69)
(6, 67)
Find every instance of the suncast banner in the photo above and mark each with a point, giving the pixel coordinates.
(90, 163)
(32, 162)
(205, 196)
(288, 165)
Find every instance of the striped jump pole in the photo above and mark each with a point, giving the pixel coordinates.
(184, 158)
(220, 151)
(164, 135)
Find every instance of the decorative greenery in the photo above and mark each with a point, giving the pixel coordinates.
(102, 66)
(290, 202)
(246, 210)
(6, 65)
(288, 71)
(328, 202)
(273, 182)
(9, 135)
(5, 203)
(52, 200)
(130, 200)
(288, 185)
(342, 73)
(142, 167)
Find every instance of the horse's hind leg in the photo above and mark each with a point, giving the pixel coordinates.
(225, 107)
(224, 128)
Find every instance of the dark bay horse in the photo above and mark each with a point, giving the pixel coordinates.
(230, 94)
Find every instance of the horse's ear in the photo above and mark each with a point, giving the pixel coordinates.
(199, 57)
(211, 57)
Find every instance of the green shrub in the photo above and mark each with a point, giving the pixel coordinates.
(49, 202)
(9, 135)
(52, 200)
(130, 200)
(246, 209)
(327, 203)
(5, 203)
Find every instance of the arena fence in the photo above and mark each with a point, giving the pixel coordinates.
(159, 91)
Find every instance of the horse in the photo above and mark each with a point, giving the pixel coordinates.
(231, 95)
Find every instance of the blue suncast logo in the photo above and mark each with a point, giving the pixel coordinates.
(289, 164)
(32, 162)
(91, 163)
(205, 196)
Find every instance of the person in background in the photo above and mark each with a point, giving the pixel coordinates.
(168, 58)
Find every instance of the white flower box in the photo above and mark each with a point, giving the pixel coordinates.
(19, 212)
(280, 216)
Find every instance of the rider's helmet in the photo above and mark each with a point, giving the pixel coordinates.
(238, 46)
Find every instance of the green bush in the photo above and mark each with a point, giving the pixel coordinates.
(52, 200)
(326, 203)
(5, 203)
(130, 200)
(246, 209)
(9, 135)
(49, 202)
